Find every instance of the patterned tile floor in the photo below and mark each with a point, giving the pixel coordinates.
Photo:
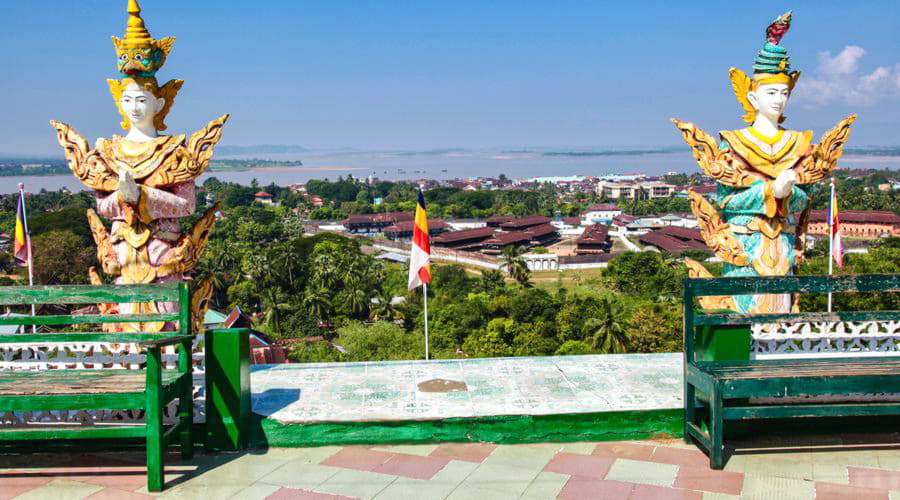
(498, 386)
(610, 470)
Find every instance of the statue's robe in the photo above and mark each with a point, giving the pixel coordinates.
(144, 238)
(765, 225)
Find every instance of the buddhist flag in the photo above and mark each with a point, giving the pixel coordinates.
(834, 229)
(420, 253)
(21, 241)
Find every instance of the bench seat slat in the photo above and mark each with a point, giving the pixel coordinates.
(68, 319)
(795, 368)
(811, 410)
(77, 382)
(88, 294)
(71, 432)
(812, 317)
(53, 338)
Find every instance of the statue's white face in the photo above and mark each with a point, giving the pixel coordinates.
(769, 100)
(140, 106)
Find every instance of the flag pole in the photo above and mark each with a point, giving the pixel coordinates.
(830, 238)
(425, 296)
(28, 246)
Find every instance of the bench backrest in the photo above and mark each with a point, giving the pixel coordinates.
(94, 294)
(705, 287)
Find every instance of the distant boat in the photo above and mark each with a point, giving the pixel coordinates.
(443, 170)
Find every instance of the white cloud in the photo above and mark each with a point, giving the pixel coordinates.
(838, 79)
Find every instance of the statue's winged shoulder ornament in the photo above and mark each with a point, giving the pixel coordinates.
(720, 164)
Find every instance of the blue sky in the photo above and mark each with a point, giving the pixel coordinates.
(428, 74)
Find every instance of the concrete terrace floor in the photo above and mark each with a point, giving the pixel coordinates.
(389, 390)
(611, 470)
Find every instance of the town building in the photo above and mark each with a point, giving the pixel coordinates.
(602, 213)
(403, 230)
(594, 240)
(467, 239)
(264, 198)
(674, 239)
(866, 224)
(374, 223)
(496, 220)
(523, 223)
(540, 235)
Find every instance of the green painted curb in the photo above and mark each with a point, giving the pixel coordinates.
(569, 427)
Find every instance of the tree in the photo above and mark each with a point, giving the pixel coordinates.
(645, 274)
(492, 281)
(317, 302)
(512, 261)
(61, 257)
(605, 330)
(380, 341)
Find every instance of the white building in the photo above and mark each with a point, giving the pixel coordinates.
(603, 213)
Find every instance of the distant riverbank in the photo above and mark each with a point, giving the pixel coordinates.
(447, 165)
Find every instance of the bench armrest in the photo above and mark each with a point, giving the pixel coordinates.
(166, 341)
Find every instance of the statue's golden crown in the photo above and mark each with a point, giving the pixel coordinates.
(138, 54)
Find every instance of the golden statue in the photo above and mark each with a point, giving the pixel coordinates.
(762, 172)
(144, 181)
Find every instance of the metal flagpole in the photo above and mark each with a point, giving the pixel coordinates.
(28, 246)
(831, 238)
(425, 293)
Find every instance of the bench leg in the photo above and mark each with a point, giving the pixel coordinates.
(186, 419)
(154, 416)
(690, 410)
(716, 429)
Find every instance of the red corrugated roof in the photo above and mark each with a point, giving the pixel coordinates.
(594, 234)
(407, 225)
(682, 233)
(508, 238)
(858, 216)
(525, 222)
(466, 234)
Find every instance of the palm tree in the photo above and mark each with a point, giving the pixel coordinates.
(606, 330)
(317, 302)
(356, 296)
(272, 306)
(511, 259)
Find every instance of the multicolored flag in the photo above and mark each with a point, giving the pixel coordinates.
(834, 229)
(21, 240)
(420, 253)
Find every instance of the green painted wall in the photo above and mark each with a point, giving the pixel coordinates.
(607, 426)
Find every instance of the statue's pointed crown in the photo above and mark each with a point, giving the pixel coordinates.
(138, 53)
(772, 65)
(138, 57)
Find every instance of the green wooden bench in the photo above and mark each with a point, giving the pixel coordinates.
(724, 388)
(150, 389)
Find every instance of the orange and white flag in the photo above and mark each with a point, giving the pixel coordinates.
(420, 254)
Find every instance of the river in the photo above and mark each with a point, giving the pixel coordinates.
(445, 165)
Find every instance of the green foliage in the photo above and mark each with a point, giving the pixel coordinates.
(572, 347)
(61, 257)
(646, 274)
(380, 341)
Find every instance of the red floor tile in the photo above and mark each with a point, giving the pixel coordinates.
(294, 494)
(580, 465)
(585, 488)
(116, 494)
(122, 478)
(358, 458)
(680, 456)
(631, 451)
(874, 478)
(413, 466)
(650, 492)
(468, 452)
(831, 491)
(11, 487)
(706, 479)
